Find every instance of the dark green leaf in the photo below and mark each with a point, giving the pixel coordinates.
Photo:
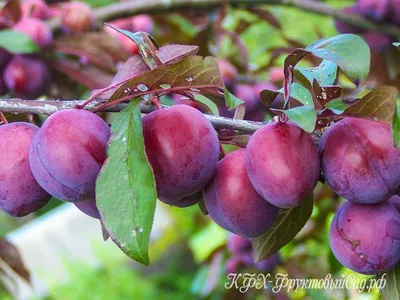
(268, 96)
(376, 105)
(125, 189)
(17, 42)
(349, 51)
(231, 100)
(287, 225)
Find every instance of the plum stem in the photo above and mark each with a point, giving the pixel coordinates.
(3, 118)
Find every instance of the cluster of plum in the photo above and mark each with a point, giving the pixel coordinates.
(28, 76)
(361, 164)
(384, 11)
(242, 256)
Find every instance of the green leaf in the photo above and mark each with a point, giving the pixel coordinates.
(349, 51)
(205, 242)
(17, 42)
(396, 128)
(304, 116)
(300, 93)
(287, 225)
(125, 189)
(389, 284)
(231, 100)
(207, 102)
(325, 73)
(378, 105)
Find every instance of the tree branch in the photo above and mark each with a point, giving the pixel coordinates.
(49, 107)
(130, 8)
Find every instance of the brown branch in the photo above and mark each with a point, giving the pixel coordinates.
(130, 8)
(49, 107)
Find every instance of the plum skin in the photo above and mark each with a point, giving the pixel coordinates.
(89, 208)
(269, 264)
(77, 17)
(183, 150)
(26, 77)
(20, 193)
(366, 237)
(233, 203)
(282, 163)
(67, 153)
(238, 244)
(36, 29)
(359, 161)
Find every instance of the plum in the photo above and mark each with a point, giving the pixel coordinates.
(142, 23)
(269, 264)
(378, 10)
(233, 264)
(20, 193)
(347, 28)
(35, 9)
(366, 237)
(89, 208)
(359, 161)
(233, 203)
(228, 72)
(188, 200)
(36, 29)
(27, 77)
(377, 41)
(4, 57)
(77, 17)
(276, 75)
(282, 163)
(395, 200)
(67, 153)
(238, 244)
(183, 149)
(250, 94)
(3, 87)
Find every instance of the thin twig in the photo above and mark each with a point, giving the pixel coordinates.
(3, 118)
(49, 107)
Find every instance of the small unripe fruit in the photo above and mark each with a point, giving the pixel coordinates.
(36, 29)
(233, 203)
(283, 164)
(68, 152)
(26, 77)
(89, 208)
(366, 237)
(183, 150)
(359, 160)
(20, 193)
(77, 17)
